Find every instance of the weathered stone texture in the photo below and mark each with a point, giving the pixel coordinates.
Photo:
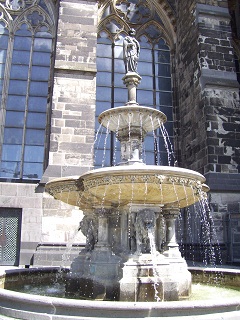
(209, 102)
(73, 109)
(15, 195)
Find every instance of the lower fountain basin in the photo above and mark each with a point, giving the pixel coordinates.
(28, 307)
(122, 185)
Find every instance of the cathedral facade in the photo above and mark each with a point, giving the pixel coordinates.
(61, 65)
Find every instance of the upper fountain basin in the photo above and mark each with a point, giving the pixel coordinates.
(128, 116)
(133, 184)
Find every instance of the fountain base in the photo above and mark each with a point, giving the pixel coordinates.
(164, 279)
(95, 275)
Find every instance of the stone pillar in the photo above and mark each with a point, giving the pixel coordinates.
(132, 80)
(170, 215)
(103, 230)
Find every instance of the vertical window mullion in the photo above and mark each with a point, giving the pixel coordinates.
(154, 78)
(26, 108)
(6, 80)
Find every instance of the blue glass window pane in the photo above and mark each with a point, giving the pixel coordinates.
(145, 97)
(102, 106)
(161, 45)
(164, 98)
(104, 64)
(21, 57)
(118, 82)
(38, 88)
(17, 87)
(19, 72)
(148, 142)
(103, 94)
(104, 78)
(32, 171)
(22, 43)
(119, 66)
(41, 44)
(41, 58)
(3, 55)
(144, 42)
(40, 73)
(118, 52)
(4, 41)
(162, 56)
(104, 38)
(33, 153)
(164, 84)
(2, 69)
(104, 50)
(102, 156)
(37, 104)
(14, 119)
(120, 95)
(23, 31)
(146, 83)
(3, 29)
(145, 68)
(44, 33)
(36, 120)
(13, 136)
(149, 158)
(11, 152)
(163, 70)
(168, 112)
(9, 170)
(169, 127)
(103, 142)
(16, 103)
(35, 137)
(145, 55)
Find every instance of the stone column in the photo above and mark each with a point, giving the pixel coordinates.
(102, 229)
(170, 215)
(132, 80)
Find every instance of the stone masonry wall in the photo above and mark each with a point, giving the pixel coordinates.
(208, 110)
(191, 132)
(73, 114)
(73, 110)
(21, 195)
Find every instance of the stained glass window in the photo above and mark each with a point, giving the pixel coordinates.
(25, 64)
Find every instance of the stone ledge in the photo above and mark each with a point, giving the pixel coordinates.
(208, 10)
(218, 78)
(75, 66)
(223, 181)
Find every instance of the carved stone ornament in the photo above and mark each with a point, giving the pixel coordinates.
(15, 4)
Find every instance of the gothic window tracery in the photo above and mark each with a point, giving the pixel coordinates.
(27, 32)
(154, 66)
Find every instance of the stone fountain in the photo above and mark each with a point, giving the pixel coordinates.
(131, 252)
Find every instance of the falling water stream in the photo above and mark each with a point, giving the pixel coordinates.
(154, 255)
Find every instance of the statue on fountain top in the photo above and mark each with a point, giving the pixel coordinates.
(131, 51)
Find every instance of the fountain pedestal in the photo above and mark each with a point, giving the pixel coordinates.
(130, 210)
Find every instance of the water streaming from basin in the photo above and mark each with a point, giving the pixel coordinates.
(120, 202)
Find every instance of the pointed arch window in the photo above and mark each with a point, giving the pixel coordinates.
(155, 89)
(28, 44)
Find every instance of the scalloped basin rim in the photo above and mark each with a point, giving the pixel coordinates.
(134, 184)
(139, 169)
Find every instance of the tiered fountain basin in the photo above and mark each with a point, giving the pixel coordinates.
(146, 119)
(134, 184)
(25, 306)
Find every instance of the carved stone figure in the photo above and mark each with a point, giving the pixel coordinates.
(88, 226)
(131, 51)
(145, 219)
